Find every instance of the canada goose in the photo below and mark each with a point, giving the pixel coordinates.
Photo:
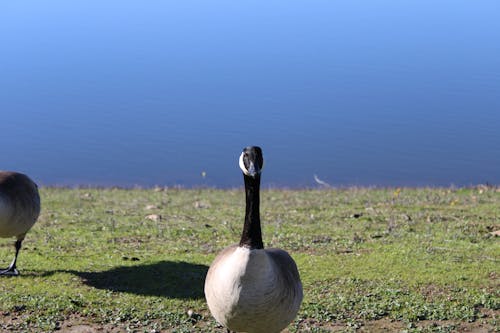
(19, 210)
(249, 288)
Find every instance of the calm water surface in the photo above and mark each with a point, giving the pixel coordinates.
(127, 93)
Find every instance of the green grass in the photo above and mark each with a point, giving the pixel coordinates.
(412, 260)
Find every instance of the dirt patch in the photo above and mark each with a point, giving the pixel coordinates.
(76, 323)
(79, 329)
(69, 327)
(484, 325)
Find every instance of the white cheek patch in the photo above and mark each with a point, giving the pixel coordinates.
(242, 165)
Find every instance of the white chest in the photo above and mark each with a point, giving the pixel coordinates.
(244, 293)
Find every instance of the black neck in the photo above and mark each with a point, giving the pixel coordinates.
(252, 235)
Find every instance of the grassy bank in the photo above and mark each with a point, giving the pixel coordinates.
(416, 260)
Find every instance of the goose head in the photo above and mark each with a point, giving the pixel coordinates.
(251, 161)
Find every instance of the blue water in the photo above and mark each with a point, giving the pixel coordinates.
(126, 93)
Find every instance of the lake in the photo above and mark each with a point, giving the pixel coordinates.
(351, 93)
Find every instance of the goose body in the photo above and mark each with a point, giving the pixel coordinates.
(249, 288)
(19, 210)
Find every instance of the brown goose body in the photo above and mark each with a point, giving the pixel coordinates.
(249, 288)
(253, 290)
(19, 210)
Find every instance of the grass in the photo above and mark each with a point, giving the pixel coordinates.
(403, 260)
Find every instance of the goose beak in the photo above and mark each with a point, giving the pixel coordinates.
(253, 170)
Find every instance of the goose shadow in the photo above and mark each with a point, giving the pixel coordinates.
(169, 279)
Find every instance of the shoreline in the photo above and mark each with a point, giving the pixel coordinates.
(273, 188)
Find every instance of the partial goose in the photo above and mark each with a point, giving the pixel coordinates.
(19, 210)
(249, 288)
